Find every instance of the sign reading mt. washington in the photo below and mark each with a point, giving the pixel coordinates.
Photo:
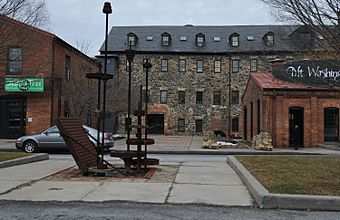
(315, 73)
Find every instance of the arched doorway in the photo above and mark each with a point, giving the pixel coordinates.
(12, 116)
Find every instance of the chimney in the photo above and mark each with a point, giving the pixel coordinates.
(277, 64)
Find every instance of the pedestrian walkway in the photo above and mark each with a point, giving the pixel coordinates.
(212, 183)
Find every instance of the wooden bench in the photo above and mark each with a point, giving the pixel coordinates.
(79, 144)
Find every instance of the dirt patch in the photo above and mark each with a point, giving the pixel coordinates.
(152, 174)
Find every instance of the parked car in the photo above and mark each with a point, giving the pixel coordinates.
(51, 139)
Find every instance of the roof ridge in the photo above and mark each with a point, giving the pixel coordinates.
(38, 30)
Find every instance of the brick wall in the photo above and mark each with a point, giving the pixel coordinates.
(275, 112)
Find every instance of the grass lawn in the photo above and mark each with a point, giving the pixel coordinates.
(12, 155)
(311, 175)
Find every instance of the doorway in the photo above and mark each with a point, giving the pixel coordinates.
(331, 124)
(156, 123)
(245, 123)
(296, 129)
(12, 116)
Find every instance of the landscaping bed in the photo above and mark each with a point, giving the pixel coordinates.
(12, 155)
(309, 175)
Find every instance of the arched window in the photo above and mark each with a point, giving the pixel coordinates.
(200, 40)
(234, 40)
(132, 39)
(166, 39)
(269, 38)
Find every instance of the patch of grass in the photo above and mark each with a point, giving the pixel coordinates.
(310, 175)
(12, 155)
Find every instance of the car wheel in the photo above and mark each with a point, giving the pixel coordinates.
(30, 147)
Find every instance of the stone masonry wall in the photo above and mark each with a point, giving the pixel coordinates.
(215, 117)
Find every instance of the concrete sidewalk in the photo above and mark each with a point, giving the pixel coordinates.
(188, 182)
(193, 145)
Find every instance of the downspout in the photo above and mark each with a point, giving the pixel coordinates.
(52, 82)
(229, 103)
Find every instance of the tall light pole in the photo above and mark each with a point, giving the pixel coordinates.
(106, 10)
(147, 65)
(130, 54)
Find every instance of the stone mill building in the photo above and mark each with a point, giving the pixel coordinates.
(198, 74)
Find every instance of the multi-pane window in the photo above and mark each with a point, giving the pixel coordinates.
(67, 67)
(181, 125)
(199, 125)
(163, 96)
(181, 97)
(235, 124)
(164, 65)
(270, 64)
(131, 40)
(165, 39)
(270, 39)
(217, 98)
(14, 60)
(235, 65)
(127, 65)
(199, 97)
(217, 66)
(182, 65)
(253, 65)
(235, 41)
(200, 40)
(235, 96)
(199, 66)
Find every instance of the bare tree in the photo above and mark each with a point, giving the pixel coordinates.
(31, 12)
(84, 46)
(321, 16)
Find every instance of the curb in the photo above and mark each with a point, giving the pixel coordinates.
(202, 152)
(24, 160)
(267, 200)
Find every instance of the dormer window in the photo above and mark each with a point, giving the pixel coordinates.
(166, 39)
(269, 39)
(132, 39)
(200, 40)
(234, 40)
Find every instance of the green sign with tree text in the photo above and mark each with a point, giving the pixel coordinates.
(24, 85)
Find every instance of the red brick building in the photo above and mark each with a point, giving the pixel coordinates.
(42, 77)
(277, 106)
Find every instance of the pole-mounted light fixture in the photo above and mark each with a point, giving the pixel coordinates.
(107, 8)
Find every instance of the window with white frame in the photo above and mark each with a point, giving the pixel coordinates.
(163, 96)
(253, 65)
(235, 66)
(164, 65)
(217, 66)
(199, 66)
(182, 65)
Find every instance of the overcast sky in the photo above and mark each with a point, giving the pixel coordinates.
(83, 20)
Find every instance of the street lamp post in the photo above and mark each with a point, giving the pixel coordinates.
(106, 10)
(130, 54)
(147, 65)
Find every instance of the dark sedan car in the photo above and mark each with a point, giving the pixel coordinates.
(51, 139)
